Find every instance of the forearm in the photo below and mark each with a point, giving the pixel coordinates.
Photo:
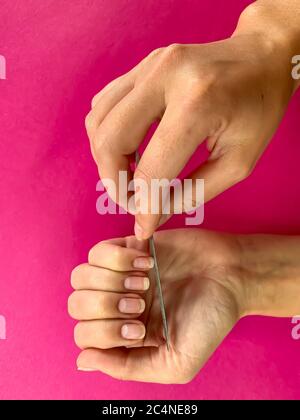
(278, 23)
(270, 275)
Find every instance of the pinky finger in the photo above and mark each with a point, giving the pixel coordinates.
(108, 333)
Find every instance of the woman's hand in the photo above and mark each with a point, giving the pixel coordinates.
(209, 282)
(232, 93)
(118, 308)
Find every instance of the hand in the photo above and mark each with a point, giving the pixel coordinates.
(117, 310)
(209, 282)
(232, 93)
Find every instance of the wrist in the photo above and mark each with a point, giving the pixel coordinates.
(278, 21)
(270, 275)
(279, 41)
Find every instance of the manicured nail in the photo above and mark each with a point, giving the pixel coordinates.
(86, 369)
(137, 283)
(145, 263)
(133, 331)
(131, 306)
(138, 231)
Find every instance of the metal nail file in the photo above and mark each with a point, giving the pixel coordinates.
(157, 280)
(159, 291)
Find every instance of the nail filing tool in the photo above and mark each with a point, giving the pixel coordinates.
(157, 279)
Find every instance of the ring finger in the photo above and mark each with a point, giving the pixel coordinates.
(88, 305)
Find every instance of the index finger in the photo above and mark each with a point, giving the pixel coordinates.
(173, 143)
(115, 257)
(121, 133)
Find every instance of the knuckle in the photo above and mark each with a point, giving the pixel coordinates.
(173, 54)
(96, 251)
(90, 122)
(76, 276)
(145, 173)
(156, 52)
(101, 143)
(174, 50)
(74, 305)
(101, 306)
(117, 254)
(79, 336)
(94, 100)
(92, 255)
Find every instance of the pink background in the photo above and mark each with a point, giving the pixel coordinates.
(59, 53)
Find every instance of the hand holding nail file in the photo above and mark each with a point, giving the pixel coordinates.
(157, 279)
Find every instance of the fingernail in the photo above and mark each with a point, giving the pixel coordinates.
(131, 306)
(86, 369)
(137, 283)
(138, 231)
(144, 263)
(133, 331)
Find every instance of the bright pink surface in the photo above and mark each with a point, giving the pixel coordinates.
(59, 53)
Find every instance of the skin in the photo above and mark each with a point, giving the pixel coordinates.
(231, 94)
(209, 281)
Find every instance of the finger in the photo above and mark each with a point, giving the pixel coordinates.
(121, 132)
(88, 277)
(167, 153)
(221, 173)
(118, 83)
(130, 242)
(106, 99)
(114, 257)
(139, 71)
(90, 304)
(104, 102)
(142, 364)
(206, 183)
(105, 334)
(130, 119)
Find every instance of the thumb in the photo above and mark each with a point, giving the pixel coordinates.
(145, 225)
(218, 175)
(139, 364)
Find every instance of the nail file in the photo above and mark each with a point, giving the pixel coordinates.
(157, 280)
